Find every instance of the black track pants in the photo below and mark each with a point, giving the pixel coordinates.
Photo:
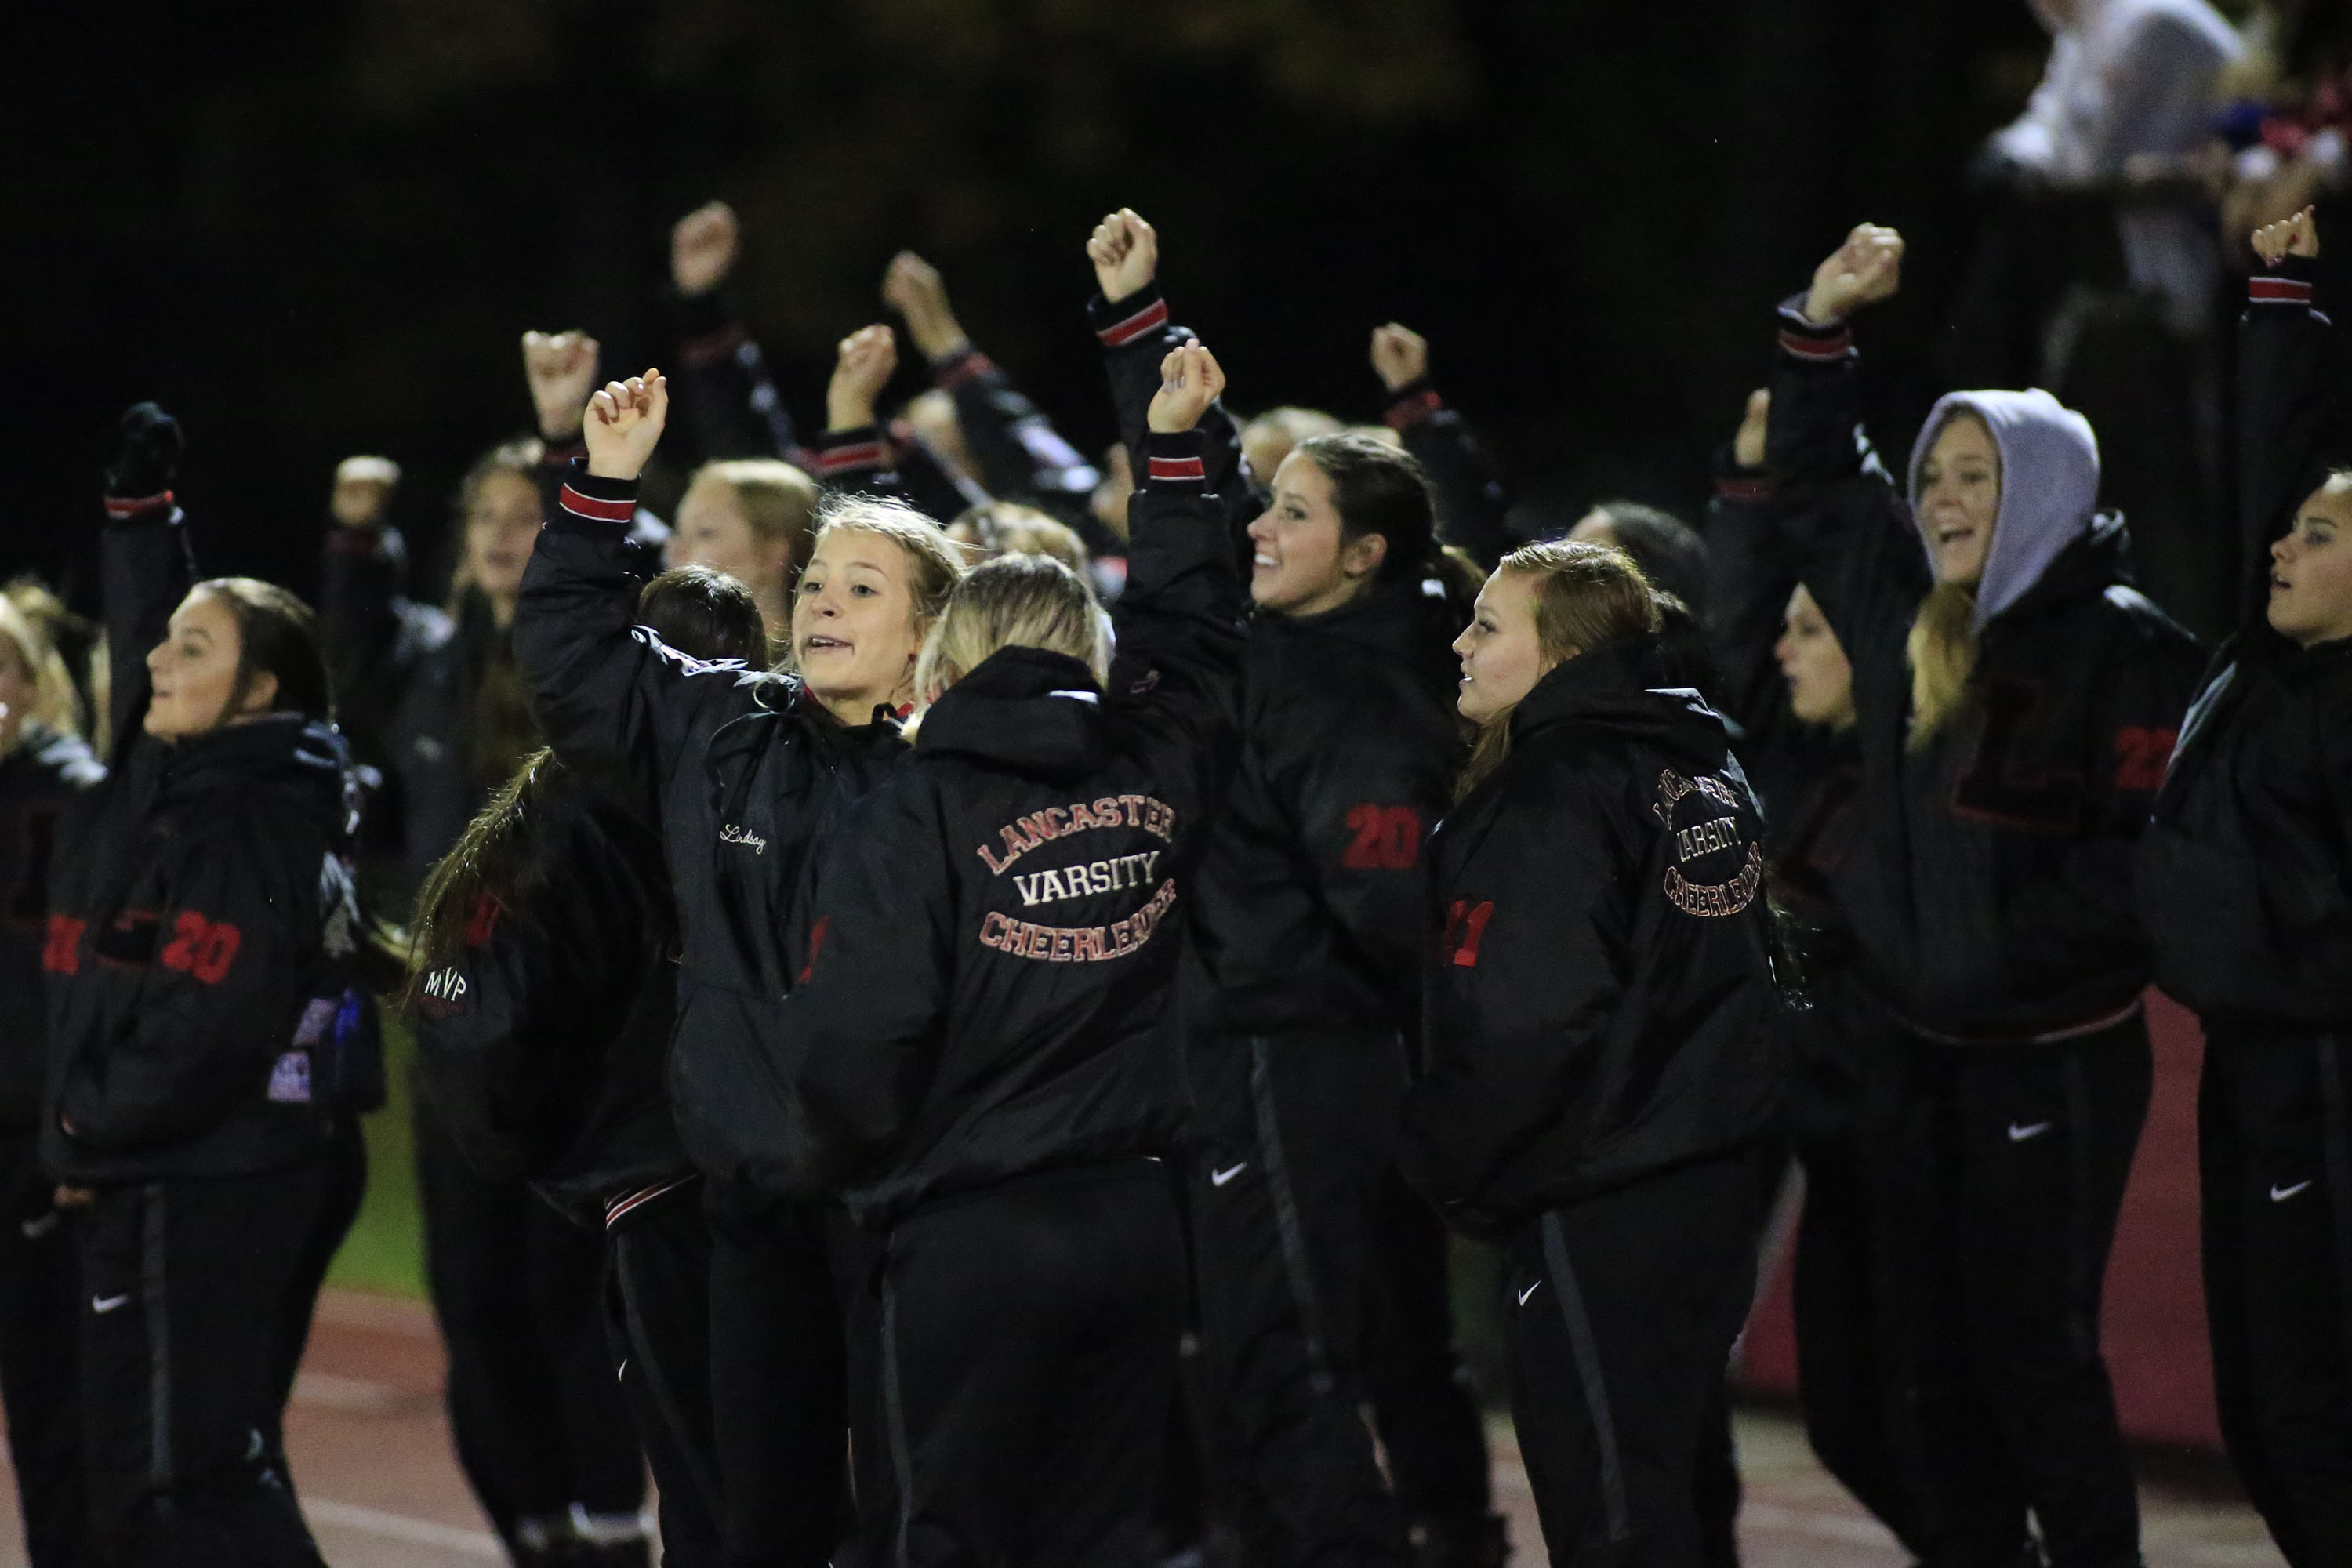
(344, 1184)
(778, 1382)
(1017, 1356)
(1297, 1136)
(539, 1420)
(2276, 1129)
(182, 1340)
(1619, 1322)
(2020, 1155)
(657, 1322)
(1422, 1403)
(40, 1339)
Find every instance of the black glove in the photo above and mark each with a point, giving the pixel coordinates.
(146, 450)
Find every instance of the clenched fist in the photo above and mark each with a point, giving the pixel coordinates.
(912, 286)
(623, 423)
(1400, 355)
(2296, 236)
(561, 369)
(867, 358)
(1190, 380)
(1747, 445)
(1125, 253)
(363, 487)
(1866, 268)
(702, 246)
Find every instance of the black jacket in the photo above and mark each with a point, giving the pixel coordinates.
(744, 767)
(978, 1000)
(200, 901)
(1313, 889)
(1599, 994)
(1473, 500)
(544, 1042)
(38, 780)
(2245, 875)
(1994, 893)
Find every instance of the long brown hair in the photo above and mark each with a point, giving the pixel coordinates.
(1586, 594)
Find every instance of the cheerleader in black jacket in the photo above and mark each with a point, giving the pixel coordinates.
(973, 1037)
(2015, 702)
(1595, 1066)
(44, 766)
(2245, 882)
(200, 907)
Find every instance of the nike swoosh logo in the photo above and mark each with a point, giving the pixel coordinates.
(2020, 1134)
(1530, 1291)
(106, 1303)
(1219, 1178)
(2280, 1195)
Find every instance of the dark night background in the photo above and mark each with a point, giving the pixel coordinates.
(313, 228)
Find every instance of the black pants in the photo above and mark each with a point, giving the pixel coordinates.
(1016, 1358)
(1619, 1322)
(343, 1186)
(40, 1335)
(538, 1418)
(1297, 1136)
(657, 1322)
(182, 1339)
(2276, 1144)
(779, 1379)
(1422, 1403)
(2019, 1156)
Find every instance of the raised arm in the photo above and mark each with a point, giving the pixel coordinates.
(369, 629)
(2288, 406)
(1472, 499)
(1749, 574)
(1019, 454)
(1130, 316)
(148, 568)
(727, 399)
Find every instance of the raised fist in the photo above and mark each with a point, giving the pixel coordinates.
(912, 288)
(702, 246)
(1400, 355)
(561, 368)
(147, 446)
(2296, 236)
(364, 486)
(621, 424)
(1190, 380)
(1125, 253)
(868, 357)
(1747, 446)
(1866, 268)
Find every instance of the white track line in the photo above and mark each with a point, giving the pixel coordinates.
(388, 1526)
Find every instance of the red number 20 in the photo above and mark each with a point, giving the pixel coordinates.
(201, 948)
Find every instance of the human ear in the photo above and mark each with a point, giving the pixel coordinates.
(1363, 557)
(261, 696)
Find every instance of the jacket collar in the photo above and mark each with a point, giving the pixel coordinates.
(1629, 683)
(1023, 709)
(2096, 560)
(1390, 616)
(306, 760)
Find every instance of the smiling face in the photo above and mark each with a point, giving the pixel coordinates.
(1302, 563)
(193, 672)
(1502, 656)
(2311, 569)
(1959, 498)
(1814, 663)
(501, 526)
(854, 633)
(712, 530)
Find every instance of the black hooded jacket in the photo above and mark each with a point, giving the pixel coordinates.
(199, 900)
(1313, 889)
(744, 767)
(1992, 892)
(1599, 1000)
(2245, 875)
(38, 780)
(544, 1040)
(986, 945)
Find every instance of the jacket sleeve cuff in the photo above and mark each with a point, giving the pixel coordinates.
(960, 365)
(588, 499)
(2288, 283)
(161, 507)
(841, 452)
(1816, 342)
(1411, 403)
(1119, 322)
(1176, 462)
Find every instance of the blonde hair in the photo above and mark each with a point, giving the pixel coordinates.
(55, 704)
(777, 499)
(1283, 427)
(934, 564)
(1942, 646)
(1586, 594)
(1014, 601)
(1008, 528)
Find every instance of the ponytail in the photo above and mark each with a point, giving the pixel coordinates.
(1378, 488)
(1942, 650)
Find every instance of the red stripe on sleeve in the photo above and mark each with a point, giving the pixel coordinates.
(2278, 292)
(597, 510)
(1180, 470)
(1820, 350)
(863, 455)
(1150, 319)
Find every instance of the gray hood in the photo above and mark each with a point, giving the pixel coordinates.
(2048, 486)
